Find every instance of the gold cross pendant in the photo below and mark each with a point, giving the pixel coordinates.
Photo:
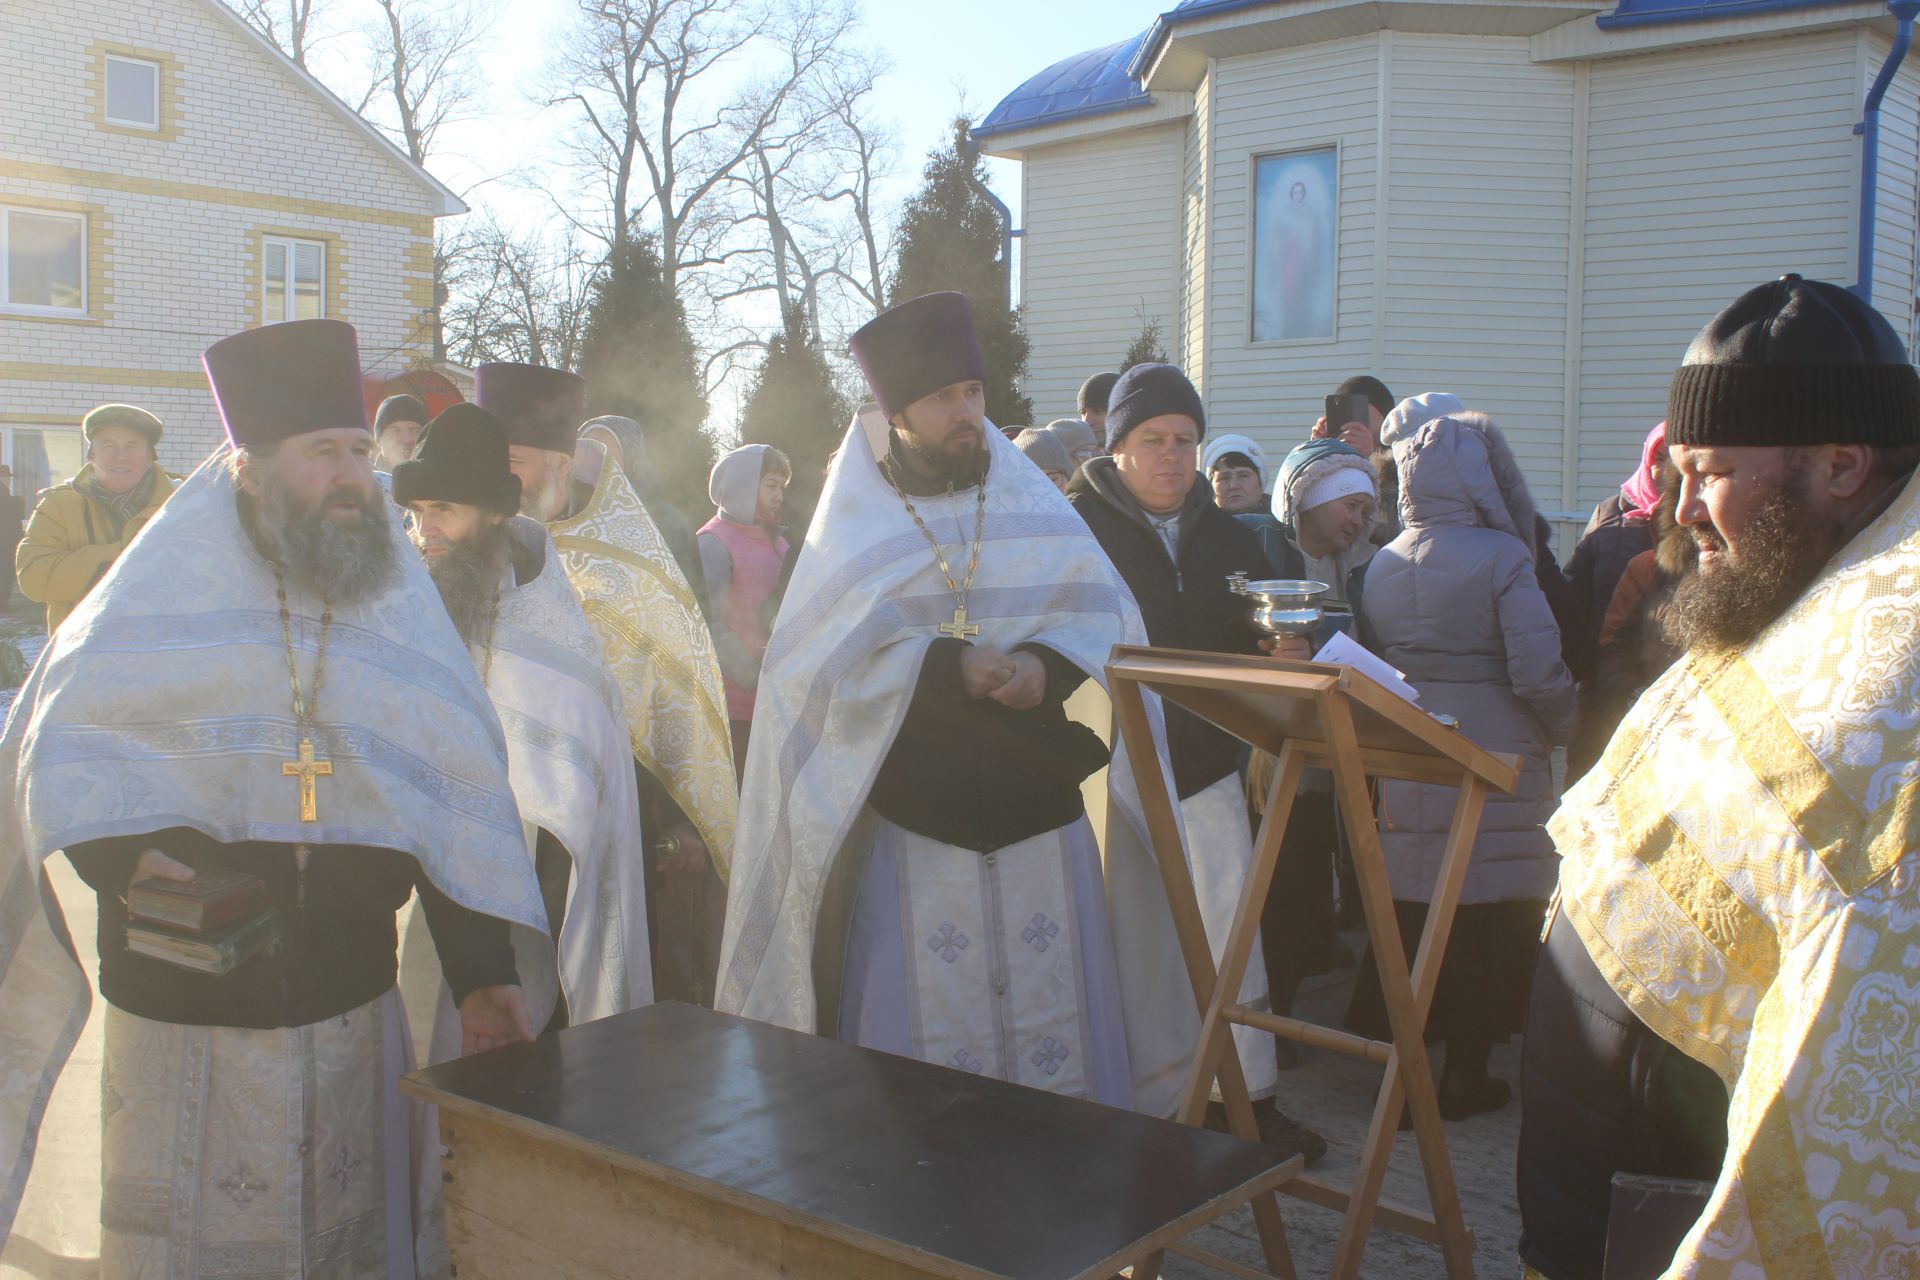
(307, 769)
(959, 628)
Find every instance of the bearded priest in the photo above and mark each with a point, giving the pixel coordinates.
(916, 871)
(567, 753)
(655, 641)
(262, 688)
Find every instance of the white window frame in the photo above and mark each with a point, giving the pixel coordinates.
(6, 284)
(291, 244)
(9, 435)
(106, 112)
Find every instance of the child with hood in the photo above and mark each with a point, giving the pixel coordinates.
(741, 554)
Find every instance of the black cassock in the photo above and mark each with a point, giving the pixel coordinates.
(340, 949)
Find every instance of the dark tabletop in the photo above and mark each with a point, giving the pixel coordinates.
(1007, 1180)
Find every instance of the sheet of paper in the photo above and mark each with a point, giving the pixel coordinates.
(1347, 651)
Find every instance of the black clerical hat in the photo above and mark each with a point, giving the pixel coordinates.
(284, 380)
(1795, 362)
(540, 407)
(919, 347)
(461, 457)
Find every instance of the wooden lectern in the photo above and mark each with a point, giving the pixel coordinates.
(1313, 715)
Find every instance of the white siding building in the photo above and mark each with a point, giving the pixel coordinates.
(1534, 203)
(167, 177)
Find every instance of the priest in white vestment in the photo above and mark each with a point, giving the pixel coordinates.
(914, 869)
(567, 752)
(656, 643)
(263, 684)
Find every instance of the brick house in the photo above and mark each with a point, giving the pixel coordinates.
(168, 177)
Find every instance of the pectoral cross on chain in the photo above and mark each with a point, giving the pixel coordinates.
(308, 770)
(959, 628)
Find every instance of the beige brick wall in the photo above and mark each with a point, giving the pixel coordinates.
(246, 149)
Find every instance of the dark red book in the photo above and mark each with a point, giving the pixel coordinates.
(208, 902)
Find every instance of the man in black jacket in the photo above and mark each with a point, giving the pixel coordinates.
(1154, 514)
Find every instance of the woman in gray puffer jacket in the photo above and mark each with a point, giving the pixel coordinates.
(1454, 604)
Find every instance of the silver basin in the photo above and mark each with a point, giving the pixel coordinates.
(1283, 606)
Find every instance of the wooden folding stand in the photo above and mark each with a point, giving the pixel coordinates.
(1313, 715)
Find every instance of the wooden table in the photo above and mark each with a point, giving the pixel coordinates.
(677, 1142)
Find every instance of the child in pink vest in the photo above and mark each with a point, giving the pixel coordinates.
(741, 553)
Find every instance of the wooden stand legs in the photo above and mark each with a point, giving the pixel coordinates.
(1408, 994)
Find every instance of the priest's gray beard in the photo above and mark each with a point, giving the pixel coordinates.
(343, 564)
(468, 574)
(550, 501)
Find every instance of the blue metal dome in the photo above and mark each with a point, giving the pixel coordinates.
(1086, 84)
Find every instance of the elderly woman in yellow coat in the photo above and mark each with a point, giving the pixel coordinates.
(80, 528)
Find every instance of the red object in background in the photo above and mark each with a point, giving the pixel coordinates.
(435, 388)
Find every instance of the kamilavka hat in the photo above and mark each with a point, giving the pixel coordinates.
(918, 348)
(541, 408)
(284, 380)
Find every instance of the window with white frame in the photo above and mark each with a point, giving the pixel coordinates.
(133, 92)
(43, 261)
(295, 274)
(41, 457)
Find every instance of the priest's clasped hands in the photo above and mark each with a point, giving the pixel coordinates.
(1016, 680)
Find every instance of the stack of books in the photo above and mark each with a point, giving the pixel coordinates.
(210, 924)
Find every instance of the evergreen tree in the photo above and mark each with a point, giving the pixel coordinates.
(795, 407)
(951, 238)
(1146, 348)
(639, 361)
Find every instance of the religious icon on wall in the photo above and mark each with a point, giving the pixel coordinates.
(1295, 204)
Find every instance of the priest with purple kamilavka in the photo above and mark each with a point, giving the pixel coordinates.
(914, 868)
(263, 690)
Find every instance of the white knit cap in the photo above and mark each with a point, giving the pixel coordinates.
(1219, 446)
(1339, 484)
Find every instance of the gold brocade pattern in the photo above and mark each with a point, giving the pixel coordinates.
(657, 645)
(1744, 866)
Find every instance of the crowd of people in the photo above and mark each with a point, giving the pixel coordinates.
(503, 729)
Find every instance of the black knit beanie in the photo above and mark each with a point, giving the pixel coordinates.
(1795, 362)
(1147, 391)
(400, 408)
(1095, 391)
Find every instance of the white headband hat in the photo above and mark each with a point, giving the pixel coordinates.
(1339, 484)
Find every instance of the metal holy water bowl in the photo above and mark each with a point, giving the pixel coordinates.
(1281, 606)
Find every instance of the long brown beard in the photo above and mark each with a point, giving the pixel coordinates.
(1726, 606)
(341, 564)
(468, 576)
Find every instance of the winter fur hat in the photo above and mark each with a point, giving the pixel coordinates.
(1318, 472)
(1220, 446)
